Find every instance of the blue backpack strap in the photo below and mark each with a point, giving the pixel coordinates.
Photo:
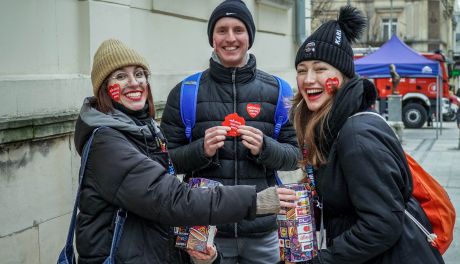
(283, 106)
(281, 112)
(188, 97)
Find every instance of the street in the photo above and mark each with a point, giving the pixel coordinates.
(441, 158)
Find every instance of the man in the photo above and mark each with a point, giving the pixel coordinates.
(232, 84)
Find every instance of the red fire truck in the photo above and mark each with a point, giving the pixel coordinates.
(418, 94)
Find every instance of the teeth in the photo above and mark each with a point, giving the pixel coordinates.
(312, 91)
(134, 95)
(230, 48)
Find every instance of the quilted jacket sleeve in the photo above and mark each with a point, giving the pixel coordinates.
(129, 179)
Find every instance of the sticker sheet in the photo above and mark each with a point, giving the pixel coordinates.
(296, 228)
(196, 237)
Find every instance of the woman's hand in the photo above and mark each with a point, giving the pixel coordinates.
(207, 257)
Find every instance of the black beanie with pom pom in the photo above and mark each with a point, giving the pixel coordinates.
(331, 42)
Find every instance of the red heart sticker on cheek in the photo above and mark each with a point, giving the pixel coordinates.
(114, 91)
(331, 84)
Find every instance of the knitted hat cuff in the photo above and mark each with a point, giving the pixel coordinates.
(330, 53)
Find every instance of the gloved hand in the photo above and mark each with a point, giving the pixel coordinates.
(270, 200)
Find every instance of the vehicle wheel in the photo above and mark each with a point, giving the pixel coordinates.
(414, 115)
(450, 117)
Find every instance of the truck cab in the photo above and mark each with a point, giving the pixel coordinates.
(418, 94)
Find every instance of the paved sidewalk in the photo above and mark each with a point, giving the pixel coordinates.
(441, 158)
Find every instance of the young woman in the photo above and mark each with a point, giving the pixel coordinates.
(129, 168)
(361, 174)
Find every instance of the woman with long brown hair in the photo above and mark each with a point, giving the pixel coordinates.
(361, 175)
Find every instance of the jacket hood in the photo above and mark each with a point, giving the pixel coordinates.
(90, 118)
(356, 96)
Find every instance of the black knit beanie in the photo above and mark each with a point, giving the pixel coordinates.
(331, 42)
(236, 9)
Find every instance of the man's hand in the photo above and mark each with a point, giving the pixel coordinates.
(252, 138)
(203, 257)
(287, 199)
(214, 138)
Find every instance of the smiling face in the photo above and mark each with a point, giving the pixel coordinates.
(230, 41)
(128, 86)
(316, 81)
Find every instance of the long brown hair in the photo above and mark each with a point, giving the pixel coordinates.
(306, 124)
(105, 105)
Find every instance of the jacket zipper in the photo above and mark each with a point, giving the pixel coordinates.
(235, 142)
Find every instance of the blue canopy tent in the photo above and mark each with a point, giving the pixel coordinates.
(408, 63)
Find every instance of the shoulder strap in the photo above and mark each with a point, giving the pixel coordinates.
(67, 255)
(281, 112)
(188, 97)
(283, 106)
(431, 237)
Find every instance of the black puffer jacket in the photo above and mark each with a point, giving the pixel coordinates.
(126, 169)
(365, 187)
(224, 91)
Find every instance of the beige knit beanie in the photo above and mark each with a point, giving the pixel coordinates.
(111, 55)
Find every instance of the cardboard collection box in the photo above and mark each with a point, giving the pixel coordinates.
(196, 237)
(296, 228)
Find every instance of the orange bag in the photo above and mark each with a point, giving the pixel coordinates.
(435, 202)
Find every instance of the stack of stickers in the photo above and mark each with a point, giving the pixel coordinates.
(196, 237)
(296, 228)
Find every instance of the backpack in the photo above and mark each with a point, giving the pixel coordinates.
(434, 201)
(188, 100)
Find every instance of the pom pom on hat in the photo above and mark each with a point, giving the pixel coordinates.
(111, 55)
(236, 9)
(331, 42)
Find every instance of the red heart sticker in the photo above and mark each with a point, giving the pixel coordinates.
(233, 121)
(331, 84)
(253, 109)
(114, 91)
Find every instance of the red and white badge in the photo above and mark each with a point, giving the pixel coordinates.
(114, 91)
(233, 121)
(331, 84)
(253, 109)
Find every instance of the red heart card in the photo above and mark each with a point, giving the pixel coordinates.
(233, 121)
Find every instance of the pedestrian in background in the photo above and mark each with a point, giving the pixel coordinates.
(362, 178)
(233, 84)
(129, 167)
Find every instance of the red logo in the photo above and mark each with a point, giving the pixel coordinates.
(253, 110)
(331, 84)
(114, 92)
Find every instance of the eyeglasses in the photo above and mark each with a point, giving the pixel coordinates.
(123, 77)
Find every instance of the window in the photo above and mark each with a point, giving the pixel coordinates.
(386, 31)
